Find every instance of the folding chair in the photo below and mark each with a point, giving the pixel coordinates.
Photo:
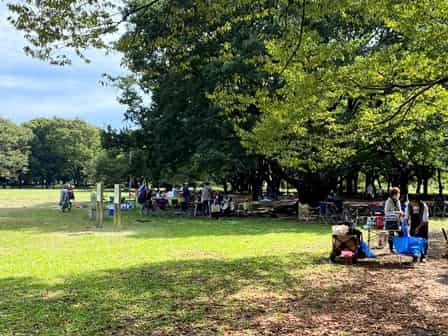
(328, 213)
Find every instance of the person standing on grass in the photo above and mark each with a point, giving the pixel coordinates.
(419, 219)
(64, 200)
(206, 198)
(392, 208)
(71, 193)
(148, 201)
(141, 196)
(185, 196)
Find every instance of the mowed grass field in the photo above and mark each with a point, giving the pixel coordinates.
(59, 275)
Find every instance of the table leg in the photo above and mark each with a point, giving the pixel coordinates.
(368, 237)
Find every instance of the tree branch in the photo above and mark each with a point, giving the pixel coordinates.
(138, 9)
(391, 86)
(408, 102)
(299, 42)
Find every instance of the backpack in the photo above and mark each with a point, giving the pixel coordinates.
(141, 197)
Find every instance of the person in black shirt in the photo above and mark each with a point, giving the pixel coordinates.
(186, 197)
(419, 217)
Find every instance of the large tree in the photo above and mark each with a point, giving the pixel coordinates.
(358, 78)
(14, 150)
(311, 87)
(63, 149)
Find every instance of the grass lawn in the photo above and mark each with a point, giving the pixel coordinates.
(61, 276)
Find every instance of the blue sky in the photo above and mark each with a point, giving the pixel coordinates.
(31, 88)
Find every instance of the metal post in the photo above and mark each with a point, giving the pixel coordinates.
(117, 207)
(99, 205)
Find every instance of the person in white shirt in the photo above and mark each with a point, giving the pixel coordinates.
(206, 198)
(392, 207)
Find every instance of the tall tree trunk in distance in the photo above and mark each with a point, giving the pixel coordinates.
(349, 184)
(425, 186)
(404, 183)
(419, 185)
(379, 183)
(257, 188)
(224, 184)
(439, 180)
(369, 180)
(273, 187)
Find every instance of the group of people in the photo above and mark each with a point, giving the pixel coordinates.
(416, 216)
(205, 200)
(66, 197)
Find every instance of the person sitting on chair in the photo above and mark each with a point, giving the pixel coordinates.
(419, 218)
(392, 207)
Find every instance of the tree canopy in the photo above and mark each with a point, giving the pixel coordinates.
(62, 149)
(14, 150)
(307, 91)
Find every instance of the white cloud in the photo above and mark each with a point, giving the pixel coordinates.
(36, 84)
(31, 88)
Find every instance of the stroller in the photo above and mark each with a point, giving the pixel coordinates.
(346, 243)
(65, 202)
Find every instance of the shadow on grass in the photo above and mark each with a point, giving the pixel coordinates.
(44, 220)
(169, 297)
(48, 220)
(263, 295)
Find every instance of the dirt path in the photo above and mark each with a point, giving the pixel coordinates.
(373, 298)
(379, 298)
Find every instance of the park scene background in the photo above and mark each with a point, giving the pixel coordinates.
(285, 106)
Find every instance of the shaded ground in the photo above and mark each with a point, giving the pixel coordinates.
(376, 298)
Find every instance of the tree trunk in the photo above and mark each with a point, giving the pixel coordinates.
(314, 188)
(224, 184)
(419, 185)
(369, 180)
(257, 188)
(404, 180)
(425, 186)
(349, 185)
(439, 180)
(273, 188)
(379, 183)
(233, 187)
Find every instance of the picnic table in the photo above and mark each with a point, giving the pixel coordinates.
(438, 208)
(270, 207)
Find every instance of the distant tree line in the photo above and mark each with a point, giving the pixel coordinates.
(48, 151)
